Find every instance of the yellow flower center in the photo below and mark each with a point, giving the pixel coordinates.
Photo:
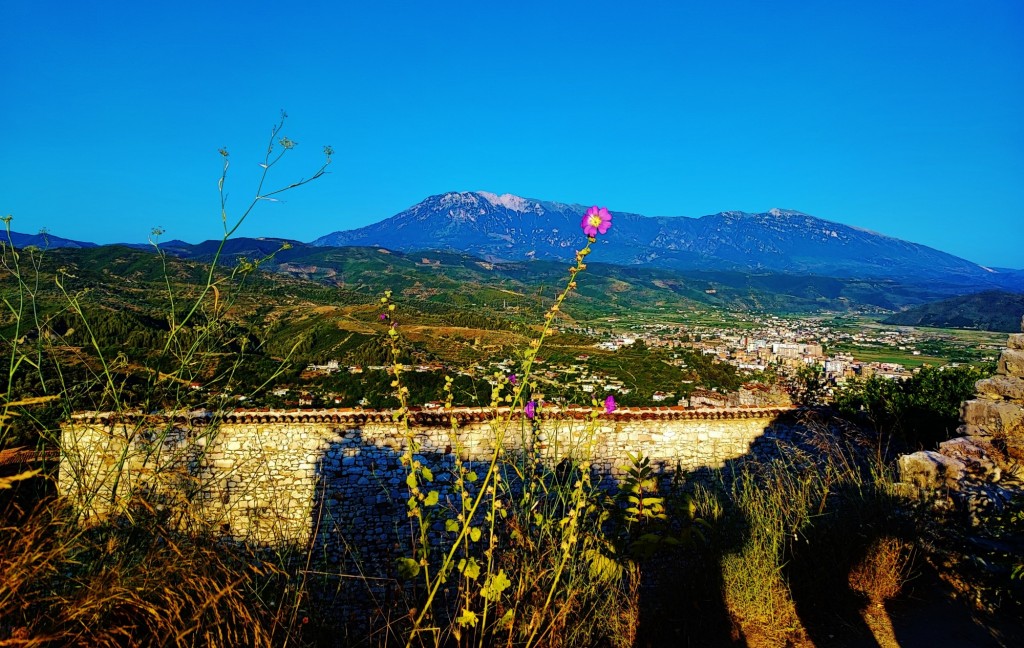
(595, 220)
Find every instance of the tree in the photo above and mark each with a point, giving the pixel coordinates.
(809, 386)
(923, 410)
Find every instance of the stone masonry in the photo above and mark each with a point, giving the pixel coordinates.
(981, 468)
(996, 417)
(335, 478)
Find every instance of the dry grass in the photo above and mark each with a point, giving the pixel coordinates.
(886, 567)
(809, 533)
(132, 584)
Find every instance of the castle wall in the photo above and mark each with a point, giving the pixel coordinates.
(278, 477)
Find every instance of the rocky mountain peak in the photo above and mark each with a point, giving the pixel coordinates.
(507, 227)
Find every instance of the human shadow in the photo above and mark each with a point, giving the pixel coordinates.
(852, 551)
(361, 532)
(682, 600)
(683, 597)
(823, 561)
(771, 554)
(354, 536)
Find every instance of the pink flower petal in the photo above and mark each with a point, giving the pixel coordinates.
(609, 404)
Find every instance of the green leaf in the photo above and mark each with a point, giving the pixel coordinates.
(451, 525)
(472, 569)
(495, 585)
(408, 568)
(602, 568)
(427, 474)
(467, 618)
(474, 534)
(410, 481)
(471, 477)
(431, 499)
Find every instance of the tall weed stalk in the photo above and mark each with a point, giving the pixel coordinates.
(524, 559)
(142, 571)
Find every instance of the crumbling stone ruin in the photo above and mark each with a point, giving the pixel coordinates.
(982, 469)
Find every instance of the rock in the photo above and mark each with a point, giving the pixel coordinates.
(1001, 387)
(1002, 420)
(984, 440)
(1016, 341)
(999, 418)
(973, 456)
(1011, 363)
(930, 470)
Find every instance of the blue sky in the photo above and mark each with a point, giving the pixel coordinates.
(901, 117)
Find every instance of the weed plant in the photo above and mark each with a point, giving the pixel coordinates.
(121, 564)
(525, 558)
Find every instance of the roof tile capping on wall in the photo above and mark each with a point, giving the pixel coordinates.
(276, 476)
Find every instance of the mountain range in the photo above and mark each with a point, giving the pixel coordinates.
(509, 228)
(45, 240)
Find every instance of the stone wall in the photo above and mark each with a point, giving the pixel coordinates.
(335, 476)
(981, 469)
(996, 417)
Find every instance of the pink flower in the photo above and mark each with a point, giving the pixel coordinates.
(512, 379)
(383, 316)
(530, 409)
(609, 404)
(596, 220)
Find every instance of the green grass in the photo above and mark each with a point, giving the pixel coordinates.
(905, 358)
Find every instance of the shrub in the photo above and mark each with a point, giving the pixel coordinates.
(921, 411)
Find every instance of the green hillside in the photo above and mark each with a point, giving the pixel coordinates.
(985, 311)
(117, 327)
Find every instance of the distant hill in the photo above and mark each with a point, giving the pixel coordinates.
(444, 274)
(44, 241)
(987, 311)
(775, 260)
(511, 228)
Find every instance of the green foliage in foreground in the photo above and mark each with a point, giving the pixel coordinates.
(921, 411)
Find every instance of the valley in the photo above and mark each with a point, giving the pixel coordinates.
(294, 333)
